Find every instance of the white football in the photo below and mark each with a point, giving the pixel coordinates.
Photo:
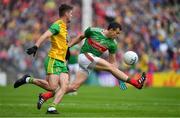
(130, 58)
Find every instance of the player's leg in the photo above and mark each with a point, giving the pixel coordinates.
(63, 81)
(49, 64)
(52, 67)
(72, 75)
(53, 81)
(103, 65)
(81, 77)
(44, 97)
(31, 80)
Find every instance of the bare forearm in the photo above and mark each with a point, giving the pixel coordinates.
(40, 40)
(43, 37)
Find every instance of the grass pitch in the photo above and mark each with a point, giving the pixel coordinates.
(93, 101)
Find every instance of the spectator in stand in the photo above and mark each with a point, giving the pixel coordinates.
(22, 21)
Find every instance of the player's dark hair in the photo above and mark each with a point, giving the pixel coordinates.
(114, 25)
(63, 9)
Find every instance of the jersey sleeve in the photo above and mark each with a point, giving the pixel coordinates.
(54, 28)
(113, 49)
(87, 32)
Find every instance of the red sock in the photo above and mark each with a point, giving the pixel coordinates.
(47, 95)
(133, 82)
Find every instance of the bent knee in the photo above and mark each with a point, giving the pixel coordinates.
(64, 88)
(53, 88)
(74, 87)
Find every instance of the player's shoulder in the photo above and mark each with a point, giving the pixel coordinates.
(58, 22)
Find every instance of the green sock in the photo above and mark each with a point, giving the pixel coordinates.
(31, 80)
(52, 105)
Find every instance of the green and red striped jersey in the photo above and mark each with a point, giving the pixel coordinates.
(97, 43)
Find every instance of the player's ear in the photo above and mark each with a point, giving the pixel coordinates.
(66, 13)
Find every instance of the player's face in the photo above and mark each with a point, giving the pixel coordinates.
(69, 15)
(114, 33)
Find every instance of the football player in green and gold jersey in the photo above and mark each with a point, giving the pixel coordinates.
(55, 62)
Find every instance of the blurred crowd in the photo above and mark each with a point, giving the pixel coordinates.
(21, 24)
(150, 27)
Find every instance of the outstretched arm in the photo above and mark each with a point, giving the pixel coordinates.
(76, 40)
(43, 37)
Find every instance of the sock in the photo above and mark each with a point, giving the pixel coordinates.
(52, 107)
(29, 79)
(47, 95)
(133, 82)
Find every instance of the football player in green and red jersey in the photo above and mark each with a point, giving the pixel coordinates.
(97, 41)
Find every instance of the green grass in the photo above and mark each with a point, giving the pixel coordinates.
(93, 101)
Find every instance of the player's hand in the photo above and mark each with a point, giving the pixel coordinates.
(32, 50)
(68, 54)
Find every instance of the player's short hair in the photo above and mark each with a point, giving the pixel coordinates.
(63, 9)
(114, 25)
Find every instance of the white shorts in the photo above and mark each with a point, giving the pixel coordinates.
(73, 68)
(85, 60)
